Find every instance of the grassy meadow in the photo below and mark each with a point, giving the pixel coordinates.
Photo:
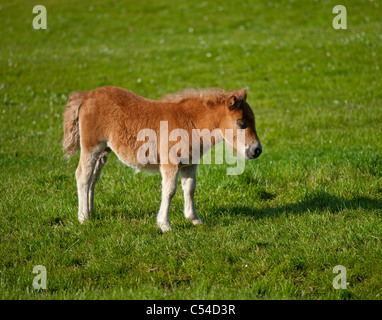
(311, 201)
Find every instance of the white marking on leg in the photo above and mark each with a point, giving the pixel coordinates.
(84, 175)
(83, 180)
(188, 178)
(96, 174)
(169, 179)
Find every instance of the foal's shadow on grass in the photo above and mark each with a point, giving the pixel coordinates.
(318, 202)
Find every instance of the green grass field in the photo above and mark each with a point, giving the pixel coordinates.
(313, 200)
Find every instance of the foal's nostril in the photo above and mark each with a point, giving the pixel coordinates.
(254, 151)
(258, 151)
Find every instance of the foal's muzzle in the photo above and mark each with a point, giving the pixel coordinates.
(253, 151)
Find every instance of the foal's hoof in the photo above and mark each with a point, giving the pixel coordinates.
(164, 226)
(197, 221)
(82, 219)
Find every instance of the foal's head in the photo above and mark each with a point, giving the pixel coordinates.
(239, 115)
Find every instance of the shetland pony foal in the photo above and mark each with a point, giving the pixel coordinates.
(109, 119)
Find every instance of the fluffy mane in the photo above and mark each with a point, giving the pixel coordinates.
(210, 96)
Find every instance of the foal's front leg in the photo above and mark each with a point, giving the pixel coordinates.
(188, 178)
(169, 180)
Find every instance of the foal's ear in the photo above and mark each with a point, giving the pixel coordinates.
(244, 93)
(236, 98)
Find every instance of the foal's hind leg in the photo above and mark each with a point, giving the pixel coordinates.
(169, 179)
(188, 179)
(84, 174)
(96, 174)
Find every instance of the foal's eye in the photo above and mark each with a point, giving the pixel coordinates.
(241, 125)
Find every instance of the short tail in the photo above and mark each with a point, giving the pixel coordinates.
(71, 141)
